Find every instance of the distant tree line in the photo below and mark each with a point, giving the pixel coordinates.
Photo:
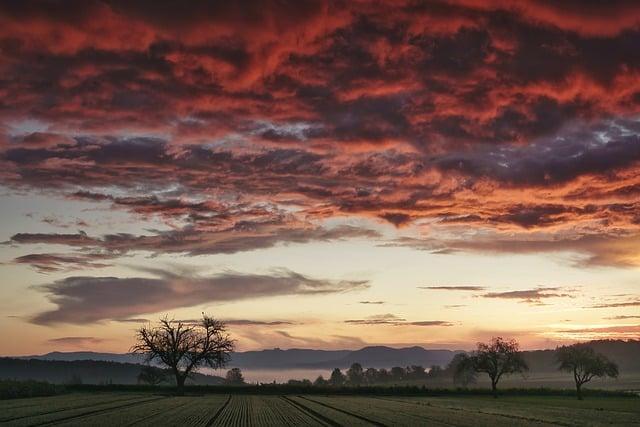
(357, 376)
(184, 347)
(497, 359)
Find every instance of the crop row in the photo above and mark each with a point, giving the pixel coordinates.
(251, 410)
(79, 410)
(527, 410)
(129, 415)
(266, 411)
(332, 416)
(384, 412)
(49, 405)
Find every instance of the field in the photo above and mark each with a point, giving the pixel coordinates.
(140, 409)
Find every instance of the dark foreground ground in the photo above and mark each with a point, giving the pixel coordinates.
(140, 409)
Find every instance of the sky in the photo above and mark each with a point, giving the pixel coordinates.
(319, 174)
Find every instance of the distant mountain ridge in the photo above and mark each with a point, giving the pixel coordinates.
(386, 357)
(73, 356)
(625, 353)
(373, 356)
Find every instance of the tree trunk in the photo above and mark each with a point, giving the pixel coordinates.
(579, 390)
(180, 385)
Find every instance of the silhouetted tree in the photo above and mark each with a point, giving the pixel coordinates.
(498, 358)
(371, 376)
(320, 381)
(355, 374)
(151, 375)
(397, 373)
(417, 372)
(184, 346)
(462, 370)
(234, 377)
(435, 371)
(585, 364)
(383, 375)
(337, 378)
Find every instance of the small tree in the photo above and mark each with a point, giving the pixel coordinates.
(461, 367)
(397, 373)
(355, 374)
(418, 372)
(151, 375)
(371, 376)
(234, 377)
(383, 375)
(585, 364)
(435, 371)
(337, 378)
(498, 358)
(320, 381)
(184, 347)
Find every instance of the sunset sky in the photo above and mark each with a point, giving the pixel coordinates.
(320, 174)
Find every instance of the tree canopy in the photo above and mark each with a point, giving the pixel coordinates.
(498, 358)
(234, 377)
(585, 364)
(185, 346)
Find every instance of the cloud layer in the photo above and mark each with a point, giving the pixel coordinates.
(394, 320)
(82, 300)
(515, 120)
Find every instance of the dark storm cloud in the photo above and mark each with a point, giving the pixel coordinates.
(82, 299)
(213, 117)
(554, 161)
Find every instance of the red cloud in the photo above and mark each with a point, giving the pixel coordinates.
(242, 126)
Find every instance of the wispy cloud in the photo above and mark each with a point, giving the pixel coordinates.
(48, 263)
(246, 322)
(76, 341)
(600, 332)
(393, 320)
(531, 296)
(616, 304)
(622, 317)
(453, 288)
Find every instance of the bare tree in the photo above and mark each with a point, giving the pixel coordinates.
(498, 358)
(185, 346)
(234, 377)
(585, 364)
